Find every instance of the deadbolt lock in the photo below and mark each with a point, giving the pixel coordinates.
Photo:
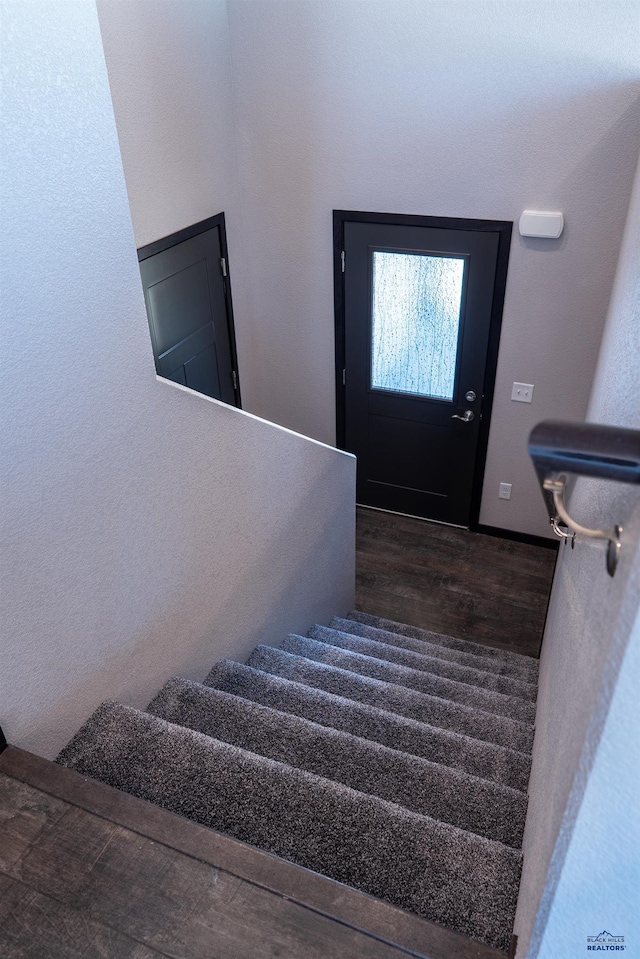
(470, 396)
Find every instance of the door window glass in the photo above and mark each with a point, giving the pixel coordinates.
(415, 322)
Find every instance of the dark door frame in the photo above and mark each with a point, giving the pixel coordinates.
(159, 246)
(503, 228)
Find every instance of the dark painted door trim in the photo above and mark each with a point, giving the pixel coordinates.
(159, 246)
(503, 228)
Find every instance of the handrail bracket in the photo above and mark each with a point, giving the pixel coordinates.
(559, 449)
(556, 484)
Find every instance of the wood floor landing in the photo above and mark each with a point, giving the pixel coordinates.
(483, 588)
(87, 871)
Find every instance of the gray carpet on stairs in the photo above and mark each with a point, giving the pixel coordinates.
(429, 664)
(508, 662)
(366, 665)
(487, 760)
(520, 667)
(458, 717)
(430, 789)
(436, 870)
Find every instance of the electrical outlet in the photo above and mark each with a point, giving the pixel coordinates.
(504, 491)
(522, 392)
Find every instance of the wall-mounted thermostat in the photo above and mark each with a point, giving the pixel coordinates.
(535, 223)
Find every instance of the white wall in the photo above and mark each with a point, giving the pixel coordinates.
(169, 67)
(439, 107)
(590, 622)
(146, 530)
(600, 878)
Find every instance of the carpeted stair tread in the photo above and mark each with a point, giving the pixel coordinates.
(503, 662)
(428, 683)
(443, 873)
(521, 671)
(486, 760)
(430, 664)
(428, 788)
(399, 699)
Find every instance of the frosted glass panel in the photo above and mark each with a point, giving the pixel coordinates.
(416, 319)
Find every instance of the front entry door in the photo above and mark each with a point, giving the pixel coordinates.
(188, 299)
(418, 306)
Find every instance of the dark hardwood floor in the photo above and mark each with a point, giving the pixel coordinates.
(87, 871)
(482, 588)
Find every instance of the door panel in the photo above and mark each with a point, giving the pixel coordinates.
(188, 306)
(201, 372)
(182, 352)
(179, 303)
(178, 376)
(418, 305)
(400, 454)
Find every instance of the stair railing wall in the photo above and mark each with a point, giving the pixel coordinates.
(147, 529)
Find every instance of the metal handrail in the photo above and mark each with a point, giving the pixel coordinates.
(584, 449)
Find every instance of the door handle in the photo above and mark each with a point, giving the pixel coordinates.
(466, 417)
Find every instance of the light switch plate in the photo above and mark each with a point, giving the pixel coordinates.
(522, 392)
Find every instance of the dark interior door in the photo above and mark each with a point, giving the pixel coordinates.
(417, 318)
(188, 300)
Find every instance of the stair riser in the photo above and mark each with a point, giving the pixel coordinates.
(423, 787)
(429, 664)
(398, 699)
(522, 666)
(423, 682)
(486, 760)
(523, 669)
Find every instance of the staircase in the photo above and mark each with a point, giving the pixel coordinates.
(387, 757)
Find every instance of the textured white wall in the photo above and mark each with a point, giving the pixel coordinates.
(591, 618)
(448, 108)
(169, 72)
(600, 879)
(169, 67)
(146, 530)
